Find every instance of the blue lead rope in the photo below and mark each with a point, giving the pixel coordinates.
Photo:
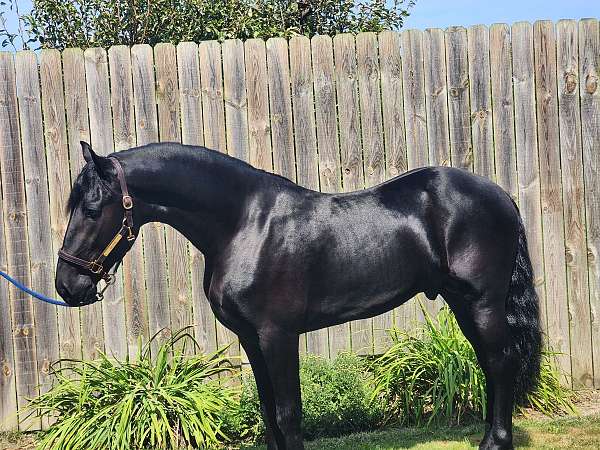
(32, 293)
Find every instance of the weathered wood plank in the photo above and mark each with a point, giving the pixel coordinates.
(101, 133)
(155, 253)
(574, 208)
(392, 95)
(14, 211)
(236, 105)
(211, 75)
(192, 132)
(346, 84)
(57, 159)
(259, 129)
(416, 136)
(414, 99)
(551, 195)
(134, 289)
(9, 137)
(461, 151)
(527, 152)
(589, 71)
(503, 109)
(436, 96)
(373, 159)
(167, 93)
(481, 102)
(305, 140)
(38, 212)
(78, 129)
(329, 151)
(278, 74)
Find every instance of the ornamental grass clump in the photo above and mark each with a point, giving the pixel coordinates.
(168, 401)
(432, 375)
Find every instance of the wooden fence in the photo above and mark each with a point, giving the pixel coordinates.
(519, 104)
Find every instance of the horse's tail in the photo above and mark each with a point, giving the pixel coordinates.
(522, 313)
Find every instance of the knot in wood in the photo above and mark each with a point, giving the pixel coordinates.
(6, 370)
(590, 256)
(347, 171)
(454, 92)
(570, 82)
(591, 83)
(393, 171)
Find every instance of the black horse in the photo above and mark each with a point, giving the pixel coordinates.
(282, 260)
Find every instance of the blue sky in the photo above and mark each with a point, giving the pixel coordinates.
(442, 13)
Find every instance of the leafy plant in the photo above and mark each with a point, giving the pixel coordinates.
(433, 375)
(335, 400)
(103, 23)
(169, 401)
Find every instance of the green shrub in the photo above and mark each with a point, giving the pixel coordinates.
(432, 375)
(169, 401)
(335, 400)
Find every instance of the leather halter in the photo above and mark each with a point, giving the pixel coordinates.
(95, 266)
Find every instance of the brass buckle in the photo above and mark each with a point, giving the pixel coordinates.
(109, 279)
(130, 236)
(127, 202)
(96, 268)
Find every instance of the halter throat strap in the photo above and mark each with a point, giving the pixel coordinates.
(96, 266)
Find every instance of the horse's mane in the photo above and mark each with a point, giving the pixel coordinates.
(89, 177)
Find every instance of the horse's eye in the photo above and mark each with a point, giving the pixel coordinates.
(91, 213)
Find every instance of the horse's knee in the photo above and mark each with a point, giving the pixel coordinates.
(288, 419)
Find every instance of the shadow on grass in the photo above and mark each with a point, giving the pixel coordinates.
(453, 438)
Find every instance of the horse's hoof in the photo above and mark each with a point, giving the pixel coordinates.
(496, 440)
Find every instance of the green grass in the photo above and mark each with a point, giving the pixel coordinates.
(579, 433)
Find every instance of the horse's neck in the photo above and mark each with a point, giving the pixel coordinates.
(203, 198)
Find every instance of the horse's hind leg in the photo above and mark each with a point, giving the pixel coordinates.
(483, 321)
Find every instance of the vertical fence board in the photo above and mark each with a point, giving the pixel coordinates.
(101, 133)
(134, 288)
(392, 95)
(211, 74)
(574, 208)
(329, 151)
(436, 97)
(192, 133)
(503, 109)
(417, 150)
(236, 105)
(305, 140)
(278, 74)
(167, 93)
(373, 160)
(589, 71)
(461, 152)
(481, 108)
(78, 129)
(9, 138)
(346, 83)
(527, 152)
(55, 131)
(551, 192)
(35, 171)
(259, 130)
(153, 240)
(15, 223)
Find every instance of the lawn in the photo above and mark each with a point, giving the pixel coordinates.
(564, 433)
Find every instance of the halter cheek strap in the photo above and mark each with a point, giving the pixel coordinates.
(96, 266)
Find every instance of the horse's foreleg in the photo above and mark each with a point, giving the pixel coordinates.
(280, 351)
(265, 391)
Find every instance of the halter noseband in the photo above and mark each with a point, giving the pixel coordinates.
(95, 267)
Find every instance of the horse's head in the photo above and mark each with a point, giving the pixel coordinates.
(100, 229)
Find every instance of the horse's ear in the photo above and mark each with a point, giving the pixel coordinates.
(100, 162)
